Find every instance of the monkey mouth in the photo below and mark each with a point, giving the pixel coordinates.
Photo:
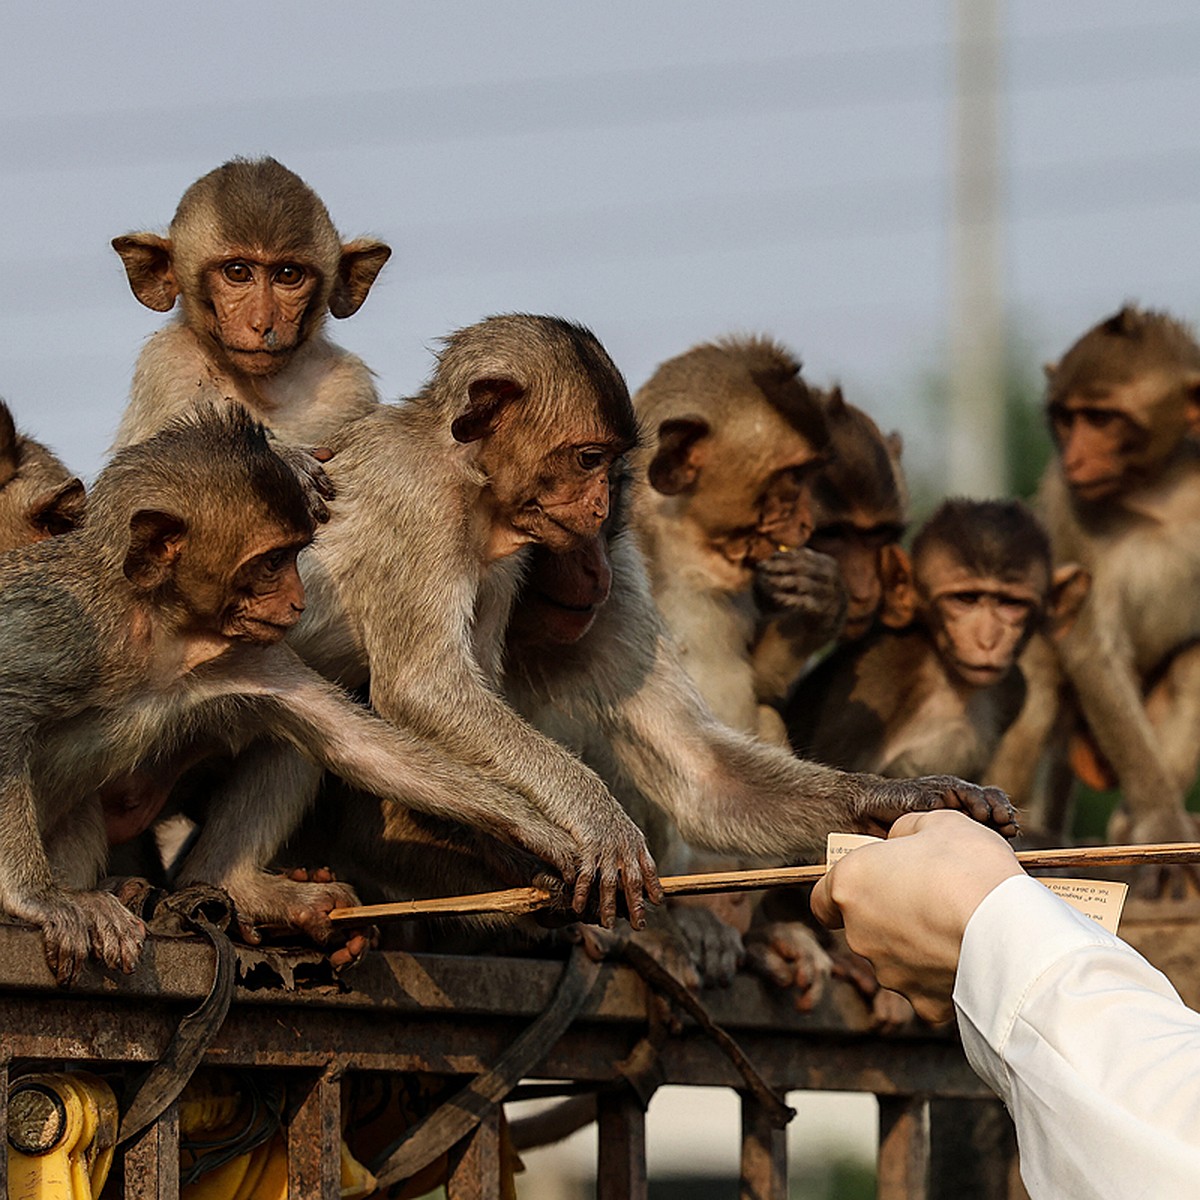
(1094, 489)
(580, 610)
(980, 675)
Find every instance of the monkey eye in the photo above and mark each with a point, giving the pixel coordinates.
(592, 459)
(290, 274)
(237, 271)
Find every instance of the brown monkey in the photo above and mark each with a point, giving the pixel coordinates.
(39, 497)
(735, 440)
(439, 499)
(937, 691)
(156, 625)
(1122, 499)
(860, 502)
(257, 263)
(510, 445)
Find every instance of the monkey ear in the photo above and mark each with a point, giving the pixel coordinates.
(10, 458)
(1069, 587)
(899, 588)
(156, 540)
(147, 259)
(836, 404)
(360, 263)
(59, 510)
(676, 464)
(488, 398)
(1048, 369)
(895, 445)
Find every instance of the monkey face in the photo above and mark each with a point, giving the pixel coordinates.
(979, 624)
(256, 309)
(265, 596)
(562, 594)
(1102, 448)
(559, 499)
(855, 544)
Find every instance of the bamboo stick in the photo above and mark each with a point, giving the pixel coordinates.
(518, 901)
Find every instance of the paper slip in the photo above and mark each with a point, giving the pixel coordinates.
(1101, 900)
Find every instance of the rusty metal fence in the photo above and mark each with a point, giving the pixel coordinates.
(941, 1132)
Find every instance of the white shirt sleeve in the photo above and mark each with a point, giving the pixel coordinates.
(1089, 1046)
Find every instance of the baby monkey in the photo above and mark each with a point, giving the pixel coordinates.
(934, 689)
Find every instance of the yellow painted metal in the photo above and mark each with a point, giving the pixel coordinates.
(62, 1131)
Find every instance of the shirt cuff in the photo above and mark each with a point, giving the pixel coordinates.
(1018, 932)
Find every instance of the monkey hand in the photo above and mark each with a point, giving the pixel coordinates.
(76, 924)
(267, 903)
(787, 954)
(715, 946)
(988, 805)
(1171, 824)
(671, 953)
(805, 583)
(612, 854)
(317, 485)
(889, 1010)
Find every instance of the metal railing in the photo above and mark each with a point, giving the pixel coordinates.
(941, 1132)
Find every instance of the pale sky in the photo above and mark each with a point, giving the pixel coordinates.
(663, 172)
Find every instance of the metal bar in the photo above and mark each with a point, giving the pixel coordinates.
(621, 1171)
(314, 1137)
(151, 1160)
(903, 1164)
(972, 1149)
(764, 1154)
(475, 1163)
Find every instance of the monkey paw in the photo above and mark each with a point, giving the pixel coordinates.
(787, 954)
(803, 582)
(269, 904)
(78, 924)
(613, 855)
(671, 954)
(317, 485)
(890, 1011)
(988, 805)
(715, 946)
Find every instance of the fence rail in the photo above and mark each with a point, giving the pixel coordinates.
(941, 1132)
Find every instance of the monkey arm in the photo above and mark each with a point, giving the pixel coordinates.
(428, 683)
(293, 702)
(1102, 671)
(713, 631)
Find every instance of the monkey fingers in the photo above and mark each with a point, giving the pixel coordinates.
(987, 805)
(801, 580)
(317, 485)
(76, 924)
(716, 947)
(788, 954)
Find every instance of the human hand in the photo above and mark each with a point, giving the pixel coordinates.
(905, 902)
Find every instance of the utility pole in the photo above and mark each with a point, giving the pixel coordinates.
(977, 464)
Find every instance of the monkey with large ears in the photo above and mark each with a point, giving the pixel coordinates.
(934, 688)
(255, 264)
(1122, 499)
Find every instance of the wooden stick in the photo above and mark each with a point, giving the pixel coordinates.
(517, 901)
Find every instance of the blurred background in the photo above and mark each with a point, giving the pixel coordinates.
(926, 200)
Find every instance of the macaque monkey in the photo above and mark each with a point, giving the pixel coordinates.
(1122, 499)
(936, 690)
(735, 438)
(39, 497)
(440, 503)
(159, 624)
(860, 503)
(256, 262)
